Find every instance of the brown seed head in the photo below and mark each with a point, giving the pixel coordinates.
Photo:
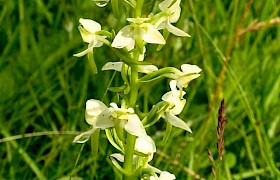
(220, 129)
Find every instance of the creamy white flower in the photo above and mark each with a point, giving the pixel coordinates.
(170, 14)
(88, 31)
(123, 117)
(93, 109)
(175, 98)
(138, 30)
(177, 103)
(188, 73)
(102, 117)
(117, 66)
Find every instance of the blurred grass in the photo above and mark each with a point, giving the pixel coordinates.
(43, 88)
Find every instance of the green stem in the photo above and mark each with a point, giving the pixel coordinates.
(138, 8)
(133, 95)
(130, 140)
(134, 86)
(94, 150)
(128, 156)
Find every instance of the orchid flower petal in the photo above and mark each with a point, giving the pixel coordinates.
(175, 98)
(134, 126)
(124, 39)
(118, 156)
(83, 137)
(93, 109)
(178, 108)
(147, 68)
(189, 69)
(175, 11)
(105, 119)
(183, 81)
(175, 121)
(90, 25)
(152, 35)
(80, 54)
(90, 48)
(164, 5)
(176, 31)
(145, 145)
(188, 73)
(142, 56)
(117, 66)
(164, 175)
(87, 36)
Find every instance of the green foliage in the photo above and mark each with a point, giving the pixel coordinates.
(43, 88)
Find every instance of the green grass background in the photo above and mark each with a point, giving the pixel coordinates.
(43, 90)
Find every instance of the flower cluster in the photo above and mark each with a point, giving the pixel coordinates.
(123, 121)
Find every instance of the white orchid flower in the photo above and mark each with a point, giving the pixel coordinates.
(101, 117)
(93, 109)
(189, 73)
(175, 98)
(170, 14)
(123, 117)
(88, 31)
(138, 30)
(117, 66)
(177, 103)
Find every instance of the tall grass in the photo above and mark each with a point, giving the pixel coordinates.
(43, 90)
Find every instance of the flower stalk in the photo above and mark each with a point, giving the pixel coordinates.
(130, 141)
(138, 8)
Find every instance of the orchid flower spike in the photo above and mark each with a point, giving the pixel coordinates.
(177, 103)
(170, 14)
(88, 31)
(137, 31)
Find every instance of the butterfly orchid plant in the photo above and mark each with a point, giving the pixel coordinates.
(125, 126)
